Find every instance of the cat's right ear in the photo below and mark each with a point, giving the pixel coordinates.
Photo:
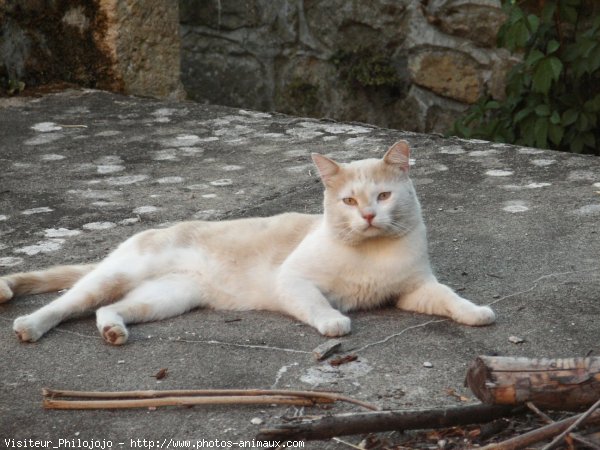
(327, 168)
(398, 155)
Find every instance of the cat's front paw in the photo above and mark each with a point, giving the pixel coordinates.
(6, 292)
(115, 334)
(26, 329)
(332, 327)
(478, 316)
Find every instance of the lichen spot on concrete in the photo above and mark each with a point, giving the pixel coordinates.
(499, 173)
(452, 150)
(205, 214)
(38, 210)
(46, 127)
(48, 246)
(126, 179)
(94, 226)
(148, 209)
(60, 232)
(52, 157)
(10, 261)
(167, 154)
(231, 168)
(482, 153)
(543, 162)
(109, 168)
(515, 206)
(254, 114)
(3, 217)
(222, 182)
(170, 180)
(191, 151)
(596, 185)
(209, 196)
(108, 133)
(530, 151)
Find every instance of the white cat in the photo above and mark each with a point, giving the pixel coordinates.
(369, 248)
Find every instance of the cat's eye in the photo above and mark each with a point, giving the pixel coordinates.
(350, 201)
(384, 196)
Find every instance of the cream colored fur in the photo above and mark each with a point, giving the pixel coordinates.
(367, 249)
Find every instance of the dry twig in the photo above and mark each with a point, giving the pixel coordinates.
(54, 399)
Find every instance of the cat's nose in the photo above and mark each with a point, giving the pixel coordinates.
(369, 217)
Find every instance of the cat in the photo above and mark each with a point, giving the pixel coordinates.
(369, 248)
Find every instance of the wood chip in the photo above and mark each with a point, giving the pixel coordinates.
(516, 340)
(326, 349)
(343, 360)
(162, 373)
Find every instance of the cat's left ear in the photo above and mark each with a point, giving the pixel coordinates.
(398, 155)
(327, 168)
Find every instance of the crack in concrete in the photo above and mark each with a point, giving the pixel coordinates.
(535, 283)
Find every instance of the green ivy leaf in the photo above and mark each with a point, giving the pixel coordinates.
(569, 117)
(556, 66)
(542, 77)
(521, 115)
(556, 133)
(555, 118)
(534, 23)
(552, 46)
(533, 58)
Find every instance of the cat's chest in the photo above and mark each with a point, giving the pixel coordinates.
(352, 279)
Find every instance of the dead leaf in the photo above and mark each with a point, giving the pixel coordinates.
(162, 373)
(342, 360)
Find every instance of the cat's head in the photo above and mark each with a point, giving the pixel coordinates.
(369, 198)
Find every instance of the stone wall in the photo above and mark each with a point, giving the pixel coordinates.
(129, 46)
(406, 64)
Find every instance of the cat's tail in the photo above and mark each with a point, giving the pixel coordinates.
(50, 280)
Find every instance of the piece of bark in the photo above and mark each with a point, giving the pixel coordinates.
(326, 349)
(373, 422)
(568, 384)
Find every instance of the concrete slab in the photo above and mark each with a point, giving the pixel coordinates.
(82, 170)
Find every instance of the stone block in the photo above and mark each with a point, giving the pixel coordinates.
(478, 23)
(142, 39)
(448, 73)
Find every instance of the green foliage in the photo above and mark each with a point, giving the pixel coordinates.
(11, 86)
(366, 68)
(553, 95)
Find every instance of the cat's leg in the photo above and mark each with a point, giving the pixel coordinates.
(432, 297)
(155, 299)
(301, 299)
(97, 287)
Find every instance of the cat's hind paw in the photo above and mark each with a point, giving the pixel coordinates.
(479, 316)
(333, 327)
(6, 292)
(115, 334)
(26, 330)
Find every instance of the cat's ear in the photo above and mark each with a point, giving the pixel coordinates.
(398, 155)
(327, 168)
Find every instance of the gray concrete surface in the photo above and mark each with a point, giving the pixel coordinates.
(82, 170)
